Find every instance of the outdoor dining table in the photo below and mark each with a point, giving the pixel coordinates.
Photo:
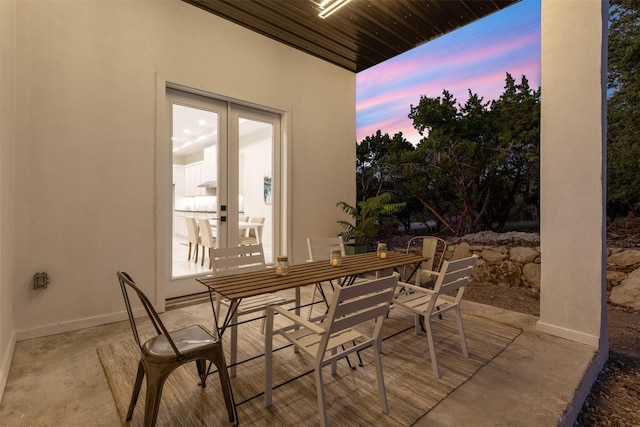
(236, 286)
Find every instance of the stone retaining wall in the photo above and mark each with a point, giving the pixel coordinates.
(623, 277)
(520, 266)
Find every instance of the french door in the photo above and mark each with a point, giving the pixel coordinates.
(223, 177)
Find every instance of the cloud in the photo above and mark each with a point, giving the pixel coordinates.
(475, 57)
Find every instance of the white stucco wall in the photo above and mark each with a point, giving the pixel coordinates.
(573, 171)
(7, 147)
(88, 75)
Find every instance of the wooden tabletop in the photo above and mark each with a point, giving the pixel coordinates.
(248, 284)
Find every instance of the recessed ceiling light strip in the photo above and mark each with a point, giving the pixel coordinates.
(328, 10)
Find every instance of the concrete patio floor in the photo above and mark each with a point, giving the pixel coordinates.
(537, 380)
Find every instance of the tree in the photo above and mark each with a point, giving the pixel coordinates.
(371, 153)
(477, 165)
(517, 113)
(368, 154)
(623, 130)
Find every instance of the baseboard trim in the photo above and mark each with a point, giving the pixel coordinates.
(568, 334)
(74, 325)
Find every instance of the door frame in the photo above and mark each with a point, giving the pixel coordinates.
(164, 191)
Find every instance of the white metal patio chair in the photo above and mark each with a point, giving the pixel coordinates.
(336, 336)
(235, 260)
(431, 247)
(319, 249)
(430, 303)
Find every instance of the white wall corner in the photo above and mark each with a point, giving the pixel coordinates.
(7, 357)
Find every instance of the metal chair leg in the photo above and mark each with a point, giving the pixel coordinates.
(136, 391)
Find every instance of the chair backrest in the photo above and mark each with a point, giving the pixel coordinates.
(428, 246)
(126, 283)
(358, 304)
(252, 231)
(243, 218)
(320, 247)
(206, 234)
(454, 276)
(192, 230)
(230, 260)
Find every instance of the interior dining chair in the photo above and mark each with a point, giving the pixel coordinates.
(334, 336)
(254, 234)
(428, 304)
(319, 249)
(206, 239)
(166, 351)
(240, 259)
(431, 247)
(194, 237)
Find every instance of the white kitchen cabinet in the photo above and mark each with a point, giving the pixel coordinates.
(193, 178)
(210, 164)
(178, 181)
(189, 180)
(180, 225)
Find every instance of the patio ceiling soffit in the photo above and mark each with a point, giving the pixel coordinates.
(359, 35)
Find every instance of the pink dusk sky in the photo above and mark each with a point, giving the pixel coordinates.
(476, 57)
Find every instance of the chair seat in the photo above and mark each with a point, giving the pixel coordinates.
(308, 341)
(259, 303)
(419, 302)
(189, 341)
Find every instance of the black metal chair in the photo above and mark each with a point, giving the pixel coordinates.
(160, 355)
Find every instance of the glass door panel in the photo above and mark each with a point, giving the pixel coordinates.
(255, 180)
(195, 159)
(198, 129)
(223, 173)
